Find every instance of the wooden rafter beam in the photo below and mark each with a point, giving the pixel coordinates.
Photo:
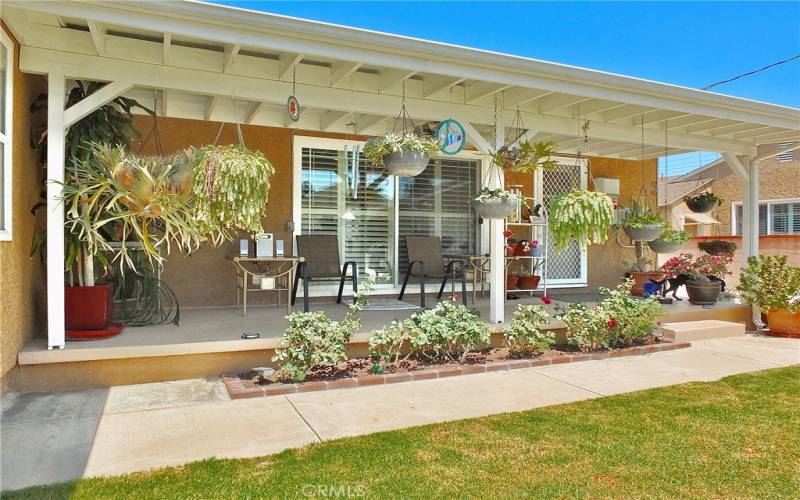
(98, 32)
(167, 49)
(340, 71)
(434, 85)
(286, 64)
(213, 101)
(230, 53)
(388, 78)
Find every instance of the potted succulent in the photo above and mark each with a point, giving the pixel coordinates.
(703, 202)
(771, 284)
(496, 203)
(717, 247)
(641, 223)
(527, 157)
(581, 216)
(403, 155)
(670, 241)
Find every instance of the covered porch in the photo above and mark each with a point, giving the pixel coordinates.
(202, 63)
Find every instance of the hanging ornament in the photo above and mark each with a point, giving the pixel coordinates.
(292, 104)
(451, 136)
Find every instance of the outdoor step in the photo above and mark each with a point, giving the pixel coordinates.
(688, 331)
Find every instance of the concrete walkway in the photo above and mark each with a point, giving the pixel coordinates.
(65, 435)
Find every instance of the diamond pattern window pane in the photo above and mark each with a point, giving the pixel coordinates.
(564, 265)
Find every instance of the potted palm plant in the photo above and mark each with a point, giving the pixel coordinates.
(771, 284)
(703, 202)
(404, 155)
(670, 241)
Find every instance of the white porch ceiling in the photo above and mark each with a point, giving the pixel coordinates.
(198, 59)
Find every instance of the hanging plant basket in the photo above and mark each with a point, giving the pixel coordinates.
(702, 203)
(581, 216)
(647, 232)
(664, 247)
(406, 163)
(495, 208)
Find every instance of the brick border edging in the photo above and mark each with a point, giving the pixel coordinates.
(240, 389)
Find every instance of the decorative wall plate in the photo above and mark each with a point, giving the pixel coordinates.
(293, 107)
(451, 136)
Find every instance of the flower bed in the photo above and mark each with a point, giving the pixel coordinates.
(357, 372)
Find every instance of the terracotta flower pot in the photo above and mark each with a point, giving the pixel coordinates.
(640, 278)
(783, 323)
(511, 281)
(87, 307)
(703, 293)
(529, 282)
(511, 249)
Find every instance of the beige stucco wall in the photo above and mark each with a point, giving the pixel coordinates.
(21, 277)
(777, 180)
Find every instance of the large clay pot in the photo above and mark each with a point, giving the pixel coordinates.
(87, 307)
(703, 293)
(406, 163)
(529, 282)
(783, 323)
(701, 206)
(664, 247)
(495, 208)
(648, 232)
(640, 278)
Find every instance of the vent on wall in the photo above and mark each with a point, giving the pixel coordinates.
(788, 156)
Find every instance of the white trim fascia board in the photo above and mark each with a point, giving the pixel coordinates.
(149, 75)
(106, 94)
(227, 25)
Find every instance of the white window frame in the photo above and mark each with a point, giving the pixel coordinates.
(781, 201)
(6, 138)
(306, 141)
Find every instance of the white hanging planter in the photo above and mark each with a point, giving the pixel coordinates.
(406, 163)
(648, 232)
(664, 247)
(495, 208)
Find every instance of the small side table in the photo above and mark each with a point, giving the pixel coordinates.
(279, 269)
(479, 267)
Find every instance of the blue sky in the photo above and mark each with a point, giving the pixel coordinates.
(685, 43)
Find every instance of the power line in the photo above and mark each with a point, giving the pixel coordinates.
(752, 72)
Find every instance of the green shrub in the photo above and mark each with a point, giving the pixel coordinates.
(523, 336)
(313, 339)
(445, 333)
(619, 320)
(770, 283)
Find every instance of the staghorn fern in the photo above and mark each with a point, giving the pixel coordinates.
(580, 215)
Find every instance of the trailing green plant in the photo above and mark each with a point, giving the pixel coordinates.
(527, 157)
(770, 283)
(581, 216)
(313, 339)
(231, 190)
(376, 148)
(114, 196)
(618, 320)
(706, 196)
(524, 335)
(675, 235)
(448, 332)
(486, 194)
(717, 247)
(640, 215)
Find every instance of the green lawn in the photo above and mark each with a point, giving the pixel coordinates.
(735, 438)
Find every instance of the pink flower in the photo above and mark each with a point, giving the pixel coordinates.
(546, 300)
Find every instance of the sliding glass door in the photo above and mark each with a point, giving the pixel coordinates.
(372, 213)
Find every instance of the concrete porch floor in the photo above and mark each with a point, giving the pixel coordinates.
(59, 436)
(213, 330)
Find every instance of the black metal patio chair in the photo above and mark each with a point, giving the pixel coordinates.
(425, 261)
(321, 254)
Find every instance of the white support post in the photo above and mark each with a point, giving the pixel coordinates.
(56, 135)
(497, 252)
(754, 197)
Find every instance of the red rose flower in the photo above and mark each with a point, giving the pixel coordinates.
(612, 323)
(507, 233)
(546, 300)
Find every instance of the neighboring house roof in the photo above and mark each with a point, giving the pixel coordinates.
(672, 189)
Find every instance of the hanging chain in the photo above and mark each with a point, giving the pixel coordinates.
(294, 80)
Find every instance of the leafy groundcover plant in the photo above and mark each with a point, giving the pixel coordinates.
(524, 335)
(446, 333)
(376, 149)
(582, 216)
(487, 194)
(619, 320)
(313, 339)
(770, 283)
(674, 236)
